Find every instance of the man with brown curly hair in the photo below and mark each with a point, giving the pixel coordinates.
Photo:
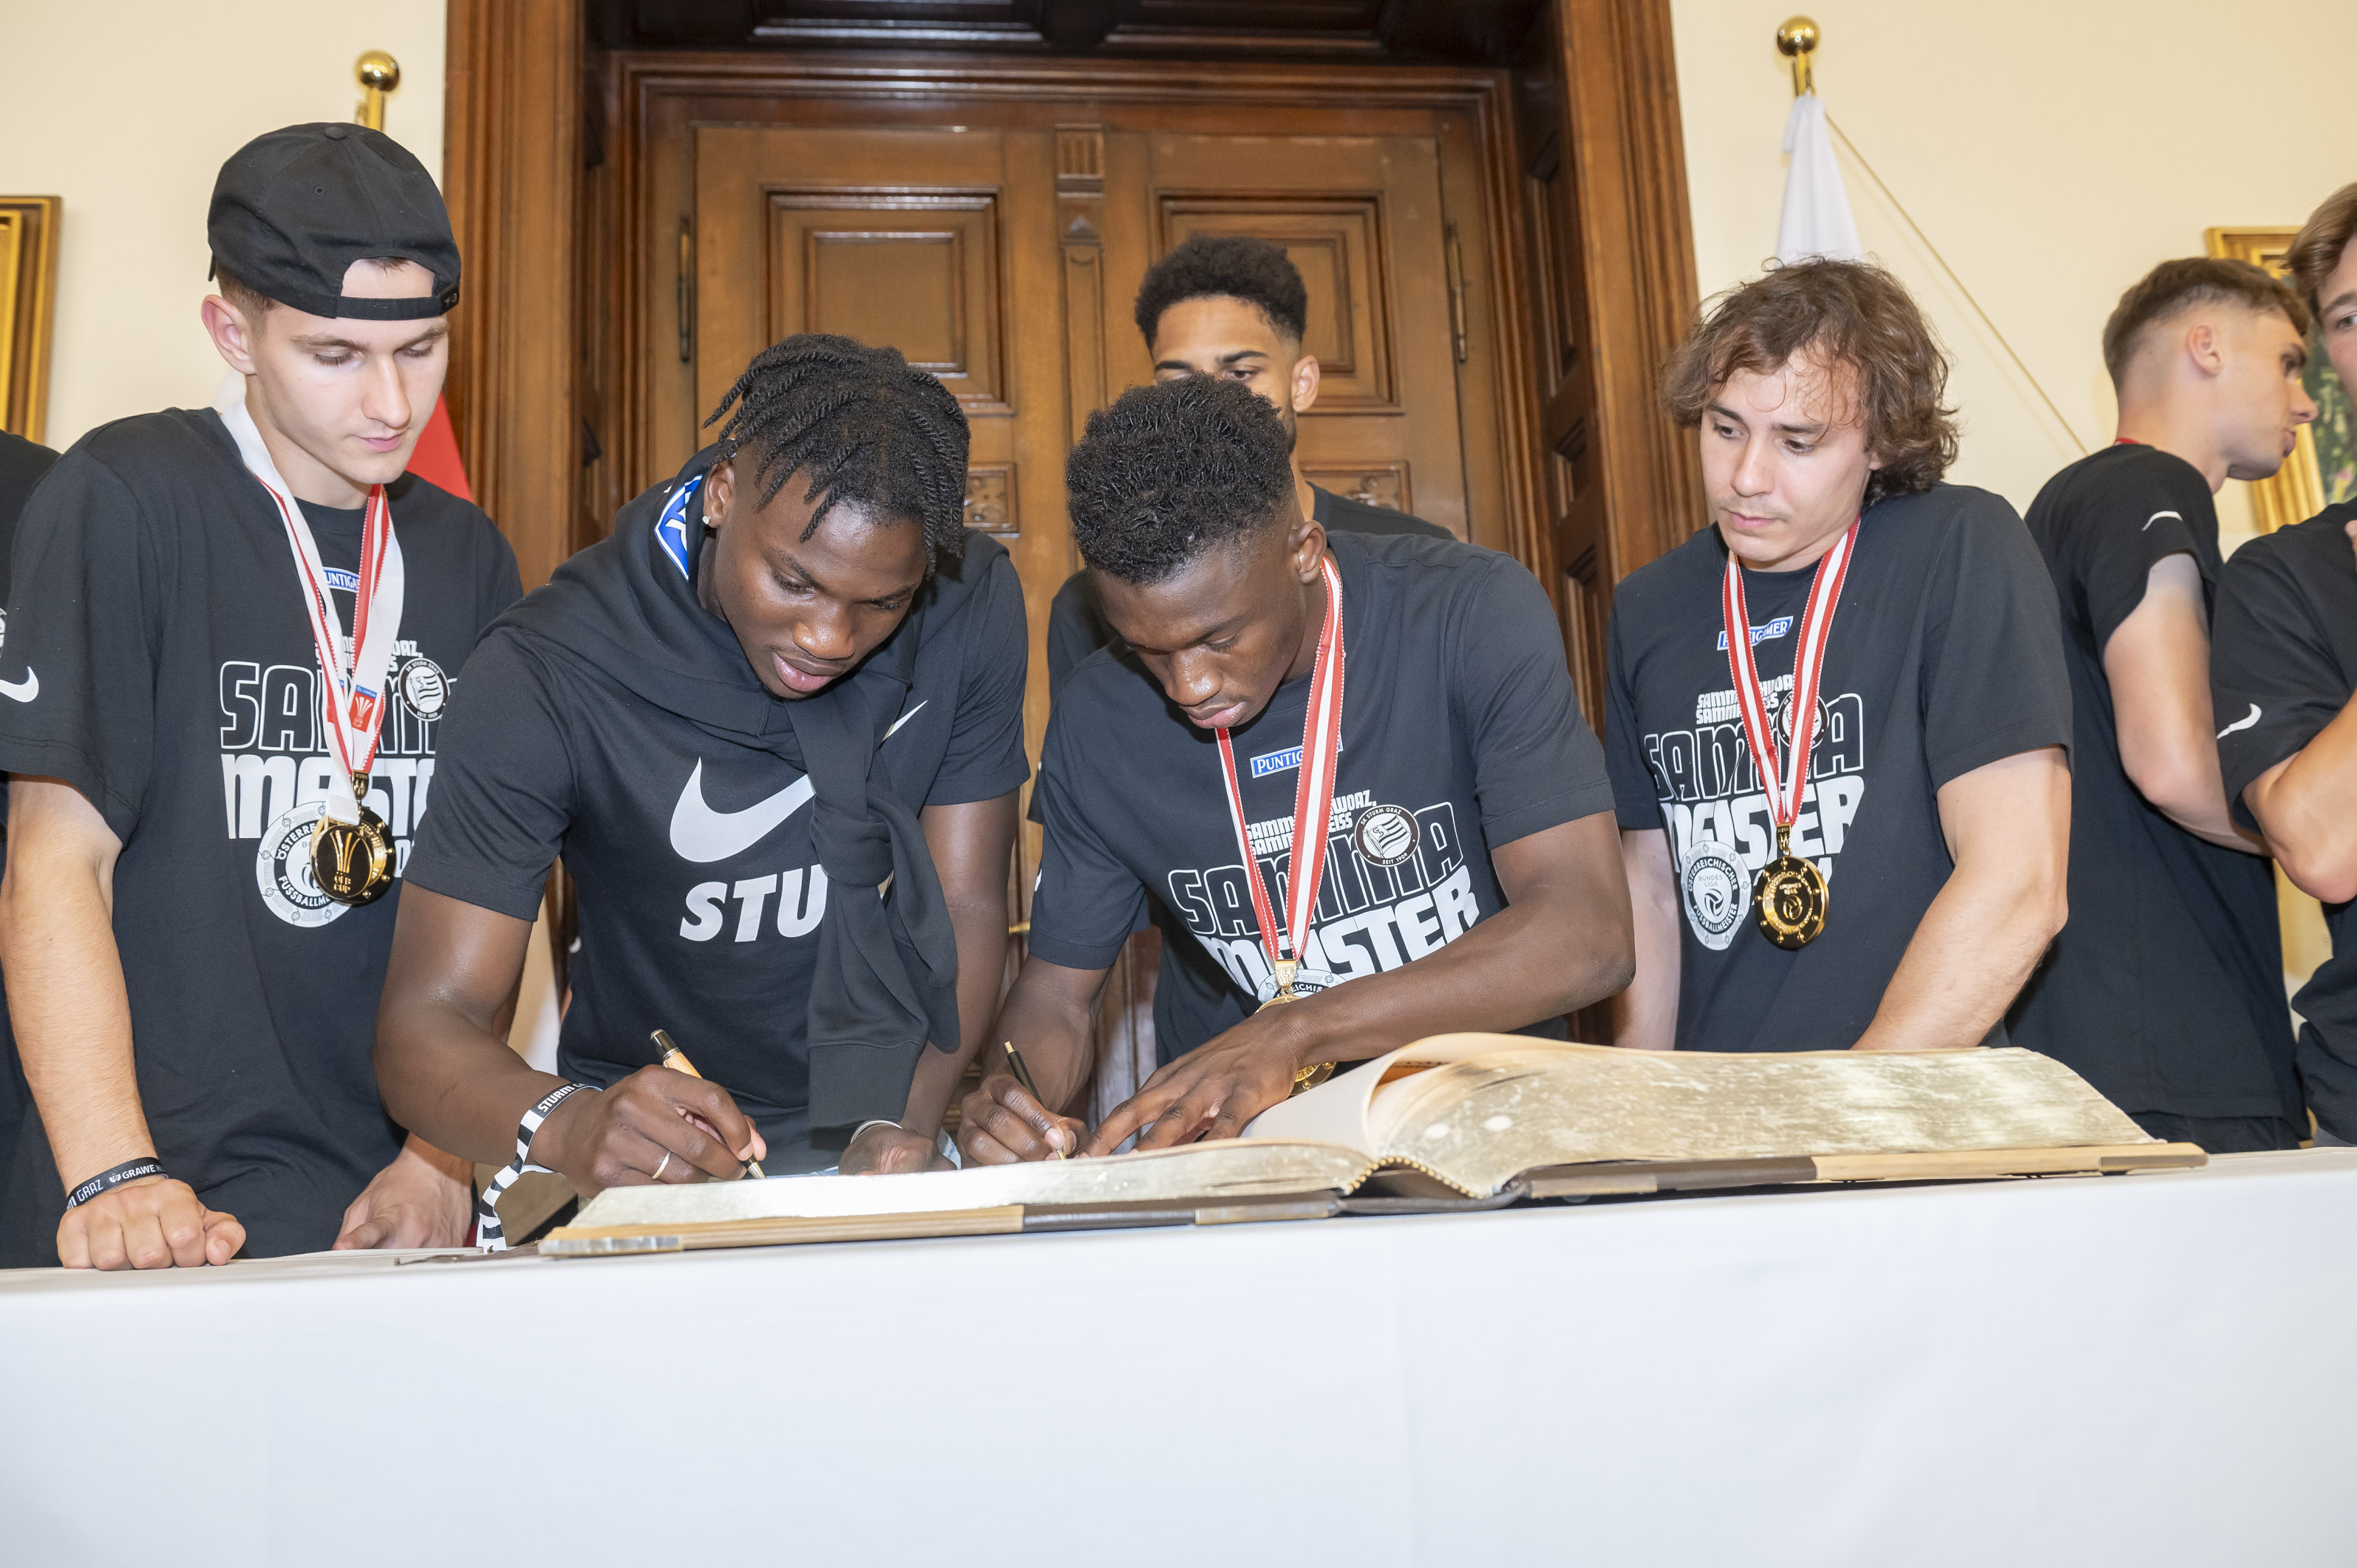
(1916, 743)
(2165, 991)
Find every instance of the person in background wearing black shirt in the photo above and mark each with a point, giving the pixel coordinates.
(2166, 989)
(187, 723)
(2283, 664)
(1463, 873)
(1932, 713)
(1235, 308)
(22, 464)
(774, 725)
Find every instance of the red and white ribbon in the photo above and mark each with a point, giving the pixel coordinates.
(355, 670)
(1313, 796)
(1783, 776)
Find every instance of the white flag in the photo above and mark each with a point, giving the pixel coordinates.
(1816, 220)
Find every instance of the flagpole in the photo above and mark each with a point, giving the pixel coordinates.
(1796, 40)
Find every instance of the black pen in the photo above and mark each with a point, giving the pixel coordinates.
(1023, 1077)
(676, 1059)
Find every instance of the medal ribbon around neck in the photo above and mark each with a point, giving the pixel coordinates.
(1313, 800)
(1783, 776)
(355, 684)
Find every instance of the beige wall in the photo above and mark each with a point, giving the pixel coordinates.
(126, 110)
(2053, 152)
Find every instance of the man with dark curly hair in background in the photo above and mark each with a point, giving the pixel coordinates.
(1916, 743)
(1406, 698)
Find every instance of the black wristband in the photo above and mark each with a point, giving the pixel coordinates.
(139, 1169)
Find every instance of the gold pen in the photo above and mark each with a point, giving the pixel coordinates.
(1023, 1077)
(676, 1059)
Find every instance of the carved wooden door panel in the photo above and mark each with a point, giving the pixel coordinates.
(1361, 217)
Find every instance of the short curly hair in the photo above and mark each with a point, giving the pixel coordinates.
(1846, 314)
(1173, 469)
(1237, 265)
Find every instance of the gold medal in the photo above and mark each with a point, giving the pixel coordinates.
(1285, 968)
(1788, 897)
(1310, 1076)
(352, 861)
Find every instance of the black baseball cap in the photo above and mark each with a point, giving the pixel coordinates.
(294, 208)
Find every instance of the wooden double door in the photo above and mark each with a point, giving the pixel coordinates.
(1006, 258)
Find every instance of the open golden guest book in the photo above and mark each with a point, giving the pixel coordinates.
(1461, 1121)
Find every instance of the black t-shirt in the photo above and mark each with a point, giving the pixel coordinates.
(22, 464)
(158, 605)
(628, 735)
(1458, 717)
(2166, 989)
(1193, 990)
(1944, 655)
(1076, 623)
(2283, 664)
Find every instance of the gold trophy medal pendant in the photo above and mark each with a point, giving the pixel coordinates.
(1788, 900)
(352, 861)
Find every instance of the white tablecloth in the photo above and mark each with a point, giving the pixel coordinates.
(2147, 1370)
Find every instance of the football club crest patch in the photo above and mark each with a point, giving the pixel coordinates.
(670, 528)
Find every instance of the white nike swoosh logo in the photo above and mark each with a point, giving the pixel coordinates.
(2156, 517)
(23, 691)
(2245, 721)
(702, 835)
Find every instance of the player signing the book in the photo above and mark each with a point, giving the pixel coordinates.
(773, 723)
(1404, 697)
(231, 634)
(1838, 719)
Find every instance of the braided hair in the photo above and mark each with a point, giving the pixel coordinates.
(860, 424)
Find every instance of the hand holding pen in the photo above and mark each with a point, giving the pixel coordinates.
(659, 1124)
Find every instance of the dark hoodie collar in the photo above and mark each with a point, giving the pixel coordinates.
(627, 605)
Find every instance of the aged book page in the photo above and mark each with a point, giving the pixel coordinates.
(1198, 1174)
(1528, 1105)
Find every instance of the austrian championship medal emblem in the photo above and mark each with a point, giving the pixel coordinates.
(424, 690)
(1384, 835)
(1716, 894)
(282, 867)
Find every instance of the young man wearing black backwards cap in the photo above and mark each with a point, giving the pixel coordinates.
(2283, 666)
(1760, 743)
(1406, 698)
(774, 726)
(2166, 989)
(231, 634)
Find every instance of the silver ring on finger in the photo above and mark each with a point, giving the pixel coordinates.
(660, 1165)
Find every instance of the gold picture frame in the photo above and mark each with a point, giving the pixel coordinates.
(2301, 487)
(28, 298)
